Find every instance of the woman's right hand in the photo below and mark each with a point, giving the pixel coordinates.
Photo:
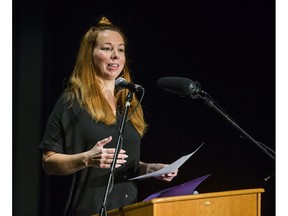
(64, 164)
(102, 157)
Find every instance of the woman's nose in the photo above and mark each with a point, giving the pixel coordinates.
(115, 55)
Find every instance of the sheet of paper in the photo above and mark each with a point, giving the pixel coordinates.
(167, 169)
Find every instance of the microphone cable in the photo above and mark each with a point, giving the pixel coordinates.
(139, 102)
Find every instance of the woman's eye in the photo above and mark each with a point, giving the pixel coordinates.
(106, 48)
(121, 50)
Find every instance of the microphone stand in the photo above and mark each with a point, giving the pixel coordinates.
(117, 150)
(210, 103)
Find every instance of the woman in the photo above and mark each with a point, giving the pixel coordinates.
(81, 133)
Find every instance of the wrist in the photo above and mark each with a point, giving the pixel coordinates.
(143, 168)
(85, 159)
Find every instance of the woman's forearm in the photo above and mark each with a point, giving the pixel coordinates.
(149, 167)
(152, 167)
(100, 157)
(63, 164)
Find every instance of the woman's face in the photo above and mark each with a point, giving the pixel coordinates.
(109, 54)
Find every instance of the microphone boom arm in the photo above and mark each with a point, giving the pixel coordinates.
(211, 104)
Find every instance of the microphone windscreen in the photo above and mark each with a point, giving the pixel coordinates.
(120, 83)
(178, 85)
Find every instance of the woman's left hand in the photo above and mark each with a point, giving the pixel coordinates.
(168, 177)
(152, 167)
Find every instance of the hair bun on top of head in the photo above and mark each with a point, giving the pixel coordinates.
(104, 21)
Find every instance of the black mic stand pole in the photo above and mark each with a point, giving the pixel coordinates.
(246, 135)
(117, 150)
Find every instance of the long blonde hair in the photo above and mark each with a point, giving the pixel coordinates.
(84, 87)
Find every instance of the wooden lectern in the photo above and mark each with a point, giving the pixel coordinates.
(246, 202)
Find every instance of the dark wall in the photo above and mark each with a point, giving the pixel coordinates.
(228, 46)
(27, 107)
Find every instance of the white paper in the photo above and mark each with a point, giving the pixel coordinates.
(167, 169)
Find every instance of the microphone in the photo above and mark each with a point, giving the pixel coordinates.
(121, 84)
(179, 85)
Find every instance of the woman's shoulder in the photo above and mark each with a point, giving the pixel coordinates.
(64, 105)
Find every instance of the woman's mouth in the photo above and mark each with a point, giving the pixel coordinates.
(113, 66)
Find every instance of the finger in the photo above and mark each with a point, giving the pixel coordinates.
(118, 161)
(105, 161)
(122, 156)
(103, 142)
(112, 151)
(110, 160)
(173, 173)
(168, 178)
(104, 164)
(106, 155)
(122, 161)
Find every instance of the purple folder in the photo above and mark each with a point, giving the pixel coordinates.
(179, 190)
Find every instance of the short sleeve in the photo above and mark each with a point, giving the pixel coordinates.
(53, 138)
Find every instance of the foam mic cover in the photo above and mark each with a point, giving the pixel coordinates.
(178, 85)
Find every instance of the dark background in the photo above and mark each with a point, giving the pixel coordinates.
(228, 46)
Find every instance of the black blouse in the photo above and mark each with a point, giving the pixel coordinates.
(71, 130)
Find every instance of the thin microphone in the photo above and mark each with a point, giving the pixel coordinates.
(179, 85)
(121, 84)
